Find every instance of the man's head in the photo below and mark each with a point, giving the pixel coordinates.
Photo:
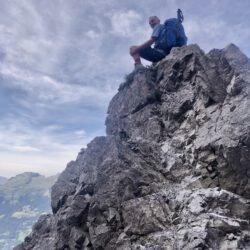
(153, 20)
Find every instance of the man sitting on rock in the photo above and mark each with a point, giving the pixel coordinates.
(165, 37)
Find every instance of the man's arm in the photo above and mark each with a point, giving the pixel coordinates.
(136, 49)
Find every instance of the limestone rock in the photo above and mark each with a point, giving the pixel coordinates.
(173, 170)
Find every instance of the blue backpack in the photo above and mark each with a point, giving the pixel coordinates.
(172, 34)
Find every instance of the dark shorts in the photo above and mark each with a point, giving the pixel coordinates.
(152, 55)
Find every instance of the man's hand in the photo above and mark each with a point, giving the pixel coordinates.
(133, 50)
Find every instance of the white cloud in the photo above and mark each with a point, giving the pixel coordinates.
(192, 28)
(46, 150)
(92, 34)
(80, 133)
(17, 136)
(48, 163)
(50, 91)
(125, 23)
(26, 149)
(213, 33)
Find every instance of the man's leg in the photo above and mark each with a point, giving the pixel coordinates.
(135, 56)
(151, 54)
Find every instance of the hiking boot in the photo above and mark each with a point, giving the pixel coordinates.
(139, 66)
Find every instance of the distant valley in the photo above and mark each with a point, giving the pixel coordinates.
(23, 199)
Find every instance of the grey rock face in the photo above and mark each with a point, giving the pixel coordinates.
(173, 170)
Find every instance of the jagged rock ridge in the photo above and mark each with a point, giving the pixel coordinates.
(173, 170)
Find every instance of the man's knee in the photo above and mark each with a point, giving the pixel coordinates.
(131, 50)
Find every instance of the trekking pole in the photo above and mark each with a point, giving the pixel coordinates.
(180, 16)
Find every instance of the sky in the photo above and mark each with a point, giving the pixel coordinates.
(61, 61)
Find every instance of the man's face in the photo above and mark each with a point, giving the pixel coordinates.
(154, 20)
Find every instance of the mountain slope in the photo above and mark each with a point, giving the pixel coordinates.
(173, 170)
(2, 180)
(23, 199)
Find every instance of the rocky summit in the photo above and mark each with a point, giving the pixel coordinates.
(173, 171)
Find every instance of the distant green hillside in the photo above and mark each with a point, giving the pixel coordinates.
(23, 199)
(2, 180)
